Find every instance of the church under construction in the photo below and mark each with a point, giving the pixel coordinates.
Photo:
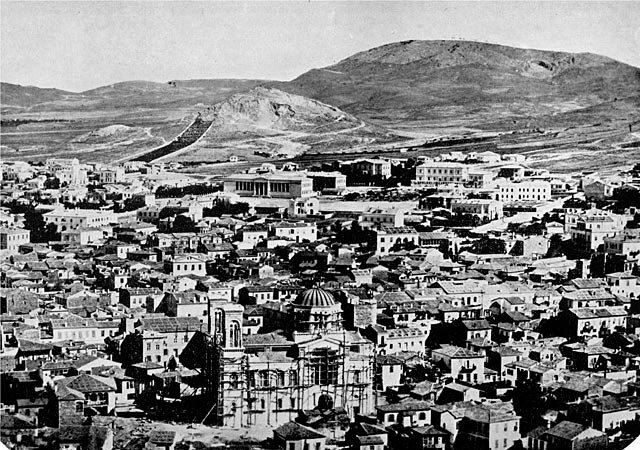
(266, 379)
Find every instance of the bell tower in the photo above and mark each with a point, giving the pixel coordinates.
(228, 371)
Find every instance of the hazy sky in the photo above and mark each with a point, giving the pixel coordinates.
(82, 45)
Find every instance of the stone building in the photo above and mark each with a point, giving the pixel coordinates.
(265, 379)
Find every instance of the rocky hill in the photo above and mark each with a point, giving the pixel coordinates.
(272, 122)
(479, 82)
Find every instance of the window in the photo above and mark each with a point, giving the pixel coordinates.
(79, 407)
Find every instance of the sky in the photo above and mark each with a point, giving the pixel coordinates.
(82, 45)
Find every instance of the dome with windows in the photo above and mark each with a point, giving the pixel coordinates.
(315, 298)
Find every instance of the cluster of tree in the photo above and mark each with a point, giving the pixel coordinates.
(575, 203)
(35, 223)
(85, 205)
(354, 234)
(626, 197)
(530, 229)
(222, 206)
(52, 183)
(401, 246)
(130, 204)
(192, 189)
(487, 245)
(183, 224)
(465, 220)
(530, 404)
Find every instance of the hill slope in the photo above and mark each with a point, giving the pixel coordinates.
(270, 122)
(476, 82)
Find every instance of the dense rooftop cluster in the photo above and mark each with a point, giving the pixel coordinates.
(444, 303)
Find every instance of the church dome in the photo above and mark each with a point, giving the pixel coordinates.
(315, 298)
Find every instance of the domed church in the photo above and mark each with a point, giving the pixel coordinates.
(315, 311)
(266, 379)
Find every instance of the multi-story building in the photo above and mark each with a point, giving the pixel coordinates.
(264, 380)
(374, 216)
(396, 340)
(434, 172)
(297, 231)
(593, 226)
(461, 364)
(111, 175)
(624, 284)
(157, 339)
(186, 265)
(480, 179)
(90, 331)
(12, 238)
(328, 182)
(388, 237)
(523, 191)
(592, 322)
(622, 243)
(70, 219)
(147, 298)
(483, 208)
(368, 167)
(304, 206)
(271, 184)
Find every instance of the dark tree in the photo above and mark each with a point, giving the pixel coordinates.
(183, 224)
(131, 204)
(530, 404)
(222, 206)
(52, 183)
(487, 245)
(555, 246)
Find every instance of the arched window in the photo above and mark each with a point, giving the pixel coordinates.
(234, 380)
(422, 416)
(391, 417)
(264, 378)
(218, 323)
(235, 334)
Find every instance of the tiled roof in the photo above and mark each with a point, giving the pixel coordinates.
(89, 383)
(293, 431)
(171, 324)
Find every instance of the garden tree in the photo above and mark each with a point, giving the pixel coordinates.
(351, 196)
(166, 212)
(551, 217)
(222, 206)
(626, 197)
(530, 404)
(355, 234)
(86, 205)
(192, 189)
(576, 203)
(52, 183)
(465, 220)
(555, 246)
(487, 245)
(34, 222)
(400, 246)
(183, 224)
(130, 204)
(536, 228)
